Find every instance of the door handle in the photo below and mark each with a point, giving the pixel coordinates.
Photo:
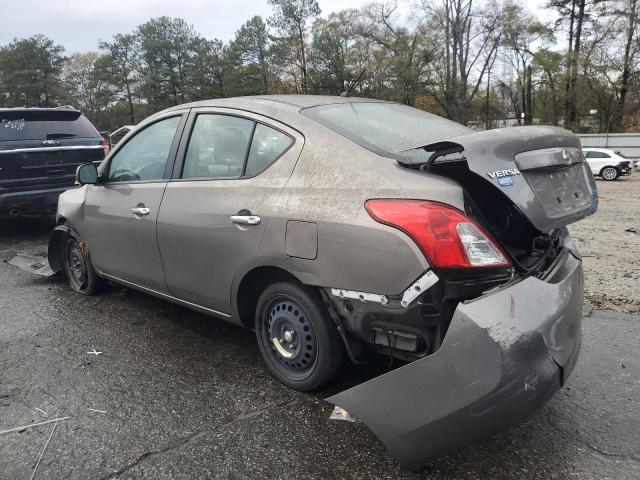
(140, 211)
(245, 219)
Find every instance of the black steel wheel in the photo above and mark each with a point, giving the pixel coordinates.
(80, 273)
(297, 339)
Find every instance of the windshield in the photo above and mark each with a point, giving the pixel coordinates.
(387, 128)
(44, 125)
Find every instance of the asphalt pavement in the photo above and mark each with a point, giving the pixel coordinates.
(147, 389)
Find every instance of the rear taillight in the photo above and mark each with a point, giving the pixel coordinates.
(445, 235)
(105, 146)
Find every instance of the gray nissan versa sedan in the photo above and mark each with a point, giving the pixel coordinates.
(342, 228)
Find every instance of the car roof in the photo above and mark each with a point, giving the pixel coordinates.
(264, 103)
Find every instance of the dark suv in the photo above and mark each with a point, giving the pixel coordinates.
(40, 149)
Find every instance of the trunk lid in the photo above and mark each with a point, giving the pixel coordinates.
(524, 184)
(541, 170)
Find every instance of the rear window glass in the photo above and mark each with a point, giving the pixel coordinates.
(44, 125)
(387, 128)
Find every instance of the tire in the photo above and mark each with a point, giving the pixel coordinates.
(78, 268)
(609, 173)
(297, 338)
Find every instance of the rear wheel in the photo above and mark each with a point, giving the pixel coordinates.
(77, 265)
(609, 173)
(297, 339)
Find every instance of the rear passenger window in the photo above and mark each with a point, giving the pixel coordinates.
(218, 147)
(267, 145)
(597, 155)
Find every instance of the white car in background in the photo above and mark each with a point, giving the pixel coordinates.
(606, 163)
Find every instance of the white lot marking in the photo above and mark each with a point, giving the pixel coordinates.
(95, 352)
(45, 447)
(94, 410)
(17, 429)
(41, 411)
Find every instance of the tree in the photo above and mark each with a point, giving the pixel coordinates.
(207, 75)
(120, 66)
(83, 87)
(628, 12)
(248, 55)
(520, 31)
(574, 13)
(404, 54)
(548, 64)
(168, 49)
(29, 72)
(469, 37)
(291, 19)
(333, 63)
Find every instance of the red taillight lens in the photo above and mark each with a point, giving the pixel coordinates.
(445, 235)
(105, 146)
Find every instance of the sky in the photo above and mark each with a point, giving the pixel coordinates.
(79, 24)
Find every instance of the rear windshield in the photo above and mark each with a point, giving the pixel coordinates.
(388, 129)
(44, 125)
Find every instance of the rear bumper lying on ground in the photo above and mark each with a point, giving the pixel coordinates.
(504, 355)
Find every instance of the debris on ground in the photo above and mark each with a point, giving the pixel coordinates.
(341, 414)
(38, 264)
(41, 411)
(20, 429)
(43, 450)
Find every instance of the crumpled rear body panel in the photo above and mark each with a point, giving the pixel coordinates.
(504, 356)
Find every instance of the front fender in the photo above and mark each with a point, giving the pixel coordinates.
(55, 252)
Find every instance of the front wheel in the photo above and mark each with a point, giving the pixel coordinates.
(77, 265)
(609, 173)
(297, 339)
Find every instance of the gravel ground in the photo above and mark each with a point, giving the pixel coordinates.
(612, 255)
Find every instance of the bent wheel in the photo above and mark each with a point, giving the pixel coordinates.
(297, 339)
(77, 265)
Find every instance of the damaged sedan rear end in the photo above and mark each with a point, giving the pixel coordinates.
(341, 228)
(492, 328)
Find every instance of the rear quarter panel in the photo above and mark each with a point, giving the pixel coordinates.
(331, 182)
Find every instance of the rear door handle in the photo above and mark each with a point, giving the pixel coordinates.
(245, 219)
(140, 211)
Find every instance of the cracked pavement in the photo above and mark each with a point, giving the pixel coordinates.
(187, 396)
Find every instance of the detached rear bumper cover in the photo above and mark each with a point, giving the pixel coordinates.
(504, 356)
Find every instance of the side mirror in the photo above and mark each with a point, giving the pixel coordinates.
(87, 174)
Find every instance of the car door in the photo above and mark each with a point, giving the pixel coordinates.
(596, 160)
(122, 209)
(232, 170)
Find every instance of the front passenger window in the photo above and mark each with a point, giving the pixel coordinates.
(144, 157)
